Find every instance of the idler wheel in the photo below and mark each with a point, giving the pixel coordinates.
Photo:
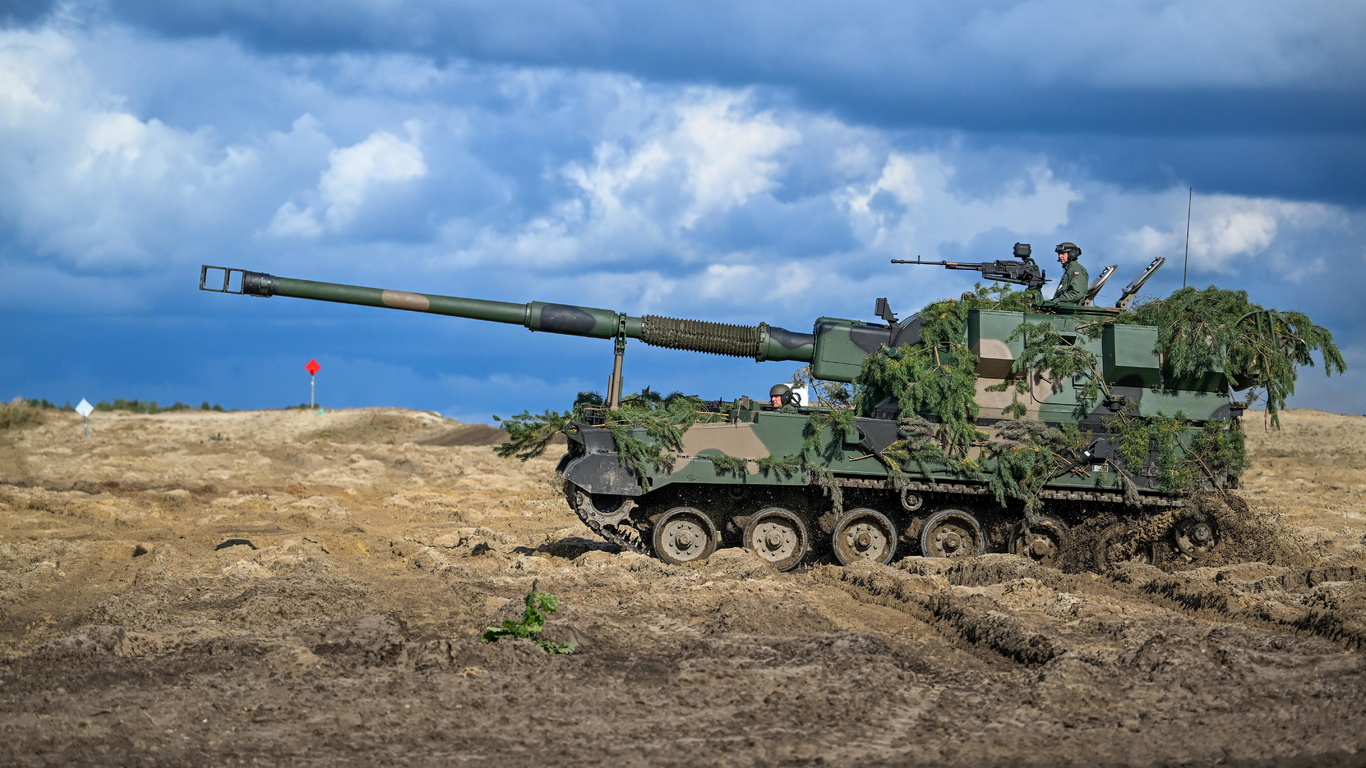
(952, 533)
(779, 536)
(683, 535)
(864, 535)
(1042, 541)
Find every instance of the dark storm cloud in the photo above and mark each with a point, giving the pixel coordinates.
(1129, 93)
(873, 52)
(25, 11)
(1325, 166)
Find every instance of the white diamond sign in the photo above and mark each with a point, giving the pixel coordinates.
(85, 408)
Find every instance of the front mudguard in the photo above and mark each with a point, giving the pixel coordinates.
(595, 466)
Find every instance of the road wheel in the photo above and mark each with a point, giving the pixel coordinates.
(864, 535)
(1118, 545)
(952, 533)
(1042, 541)
(684, 535)
(1196, 538)
(779, 536)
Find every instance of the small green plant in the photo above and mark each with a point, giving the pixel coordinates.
(217, 437)
(538, 605)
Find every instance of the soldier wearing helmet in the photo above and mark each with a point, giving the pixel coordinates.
(782, 398)
(1072, 287)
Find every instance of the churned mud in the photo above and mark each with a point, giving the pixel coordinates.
(292, 588)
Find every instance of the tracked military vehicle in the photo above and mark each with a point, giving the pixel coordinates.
(1011, 429)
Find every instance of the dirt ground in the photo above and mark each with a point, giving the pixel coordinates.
(294, 588)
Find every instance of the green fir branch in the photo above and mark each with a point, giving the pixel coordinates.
(725, 464)
(1202, 330)
(785, 467)
(1028, 454)
(663, 419)
(1048, 351)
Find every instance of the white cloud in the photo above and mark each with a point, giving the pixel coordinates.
(86, 182)
(32, 66)
(931, 211)
(354, 174)
(1237, 228)
(712, 148)
(748, 285)
(687, 161)
(730, 156)
(1229, 233)
(114, 138)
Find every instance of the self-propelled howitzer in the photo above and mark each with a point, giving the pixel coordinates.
(953, 445)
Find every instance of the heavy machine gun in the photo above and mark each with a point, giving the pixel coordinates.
(1023, 272)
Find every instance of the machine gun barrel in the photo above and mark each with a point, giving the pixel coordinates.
(1024, 272)
(762, 342)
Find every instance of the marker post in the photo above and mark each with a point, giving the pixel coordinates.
(312, 367)
(84, 408)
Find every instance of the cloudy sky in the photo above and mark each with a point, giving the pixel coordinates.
(745, 162)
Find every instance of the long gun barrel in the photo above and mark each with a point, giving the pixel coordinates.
(1023, 272)
(761, 342)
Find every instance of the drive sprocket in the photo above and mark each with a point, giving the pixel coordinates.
(613, 524)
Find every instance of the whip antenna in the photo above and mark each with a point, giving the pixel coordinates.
(1189, 197)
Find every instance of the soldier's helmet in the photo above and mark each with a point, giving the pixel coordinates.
(781, 390)
(1071, 249)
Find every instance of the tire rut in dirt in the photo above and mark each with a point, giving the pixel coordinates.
(1001, 604)
(1326, 602)
(975, 618)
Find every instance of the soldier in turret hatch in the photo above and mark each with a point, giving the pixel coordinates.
(1072, 287)
(782, 398)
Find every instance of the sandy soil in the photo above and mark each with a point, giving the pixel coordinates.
(289, 588)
